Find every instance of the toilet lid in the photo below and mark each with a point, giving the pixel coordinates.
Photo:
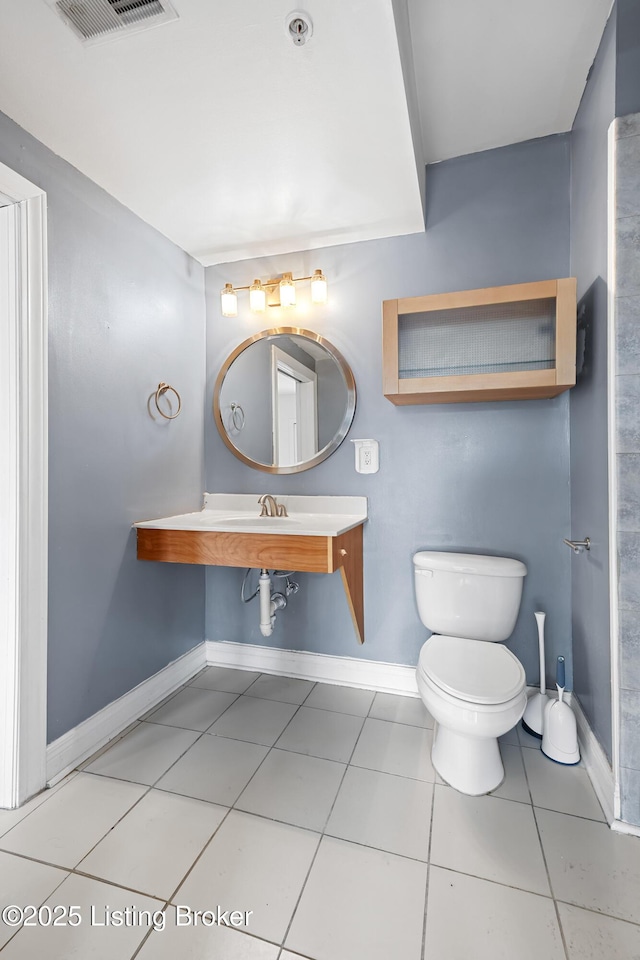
(474, 670)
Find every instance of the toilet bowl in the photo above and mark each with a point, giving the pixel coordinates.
(470, 715)
(473, 686)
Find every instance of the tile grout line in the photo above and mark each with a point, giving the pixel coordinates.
(50, 790)
(297, 753)
(73, 870)
(57, 887)
(154, 785)
(183, 880)
(565, 946)
(497, 883)
(146, 937)
(150, 787)
(270, 748)
(599, 913)
(423, 951)
(322, 833)
(229, 809)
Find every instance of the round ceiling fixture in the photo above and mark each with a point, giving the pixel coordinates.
(299, 27)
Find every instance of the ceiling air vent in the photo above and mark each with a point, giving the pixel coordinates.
(94, 20)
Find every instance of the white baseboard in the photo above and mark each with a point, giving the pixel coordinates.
(344, 671)
(621, 826)
(595, 760)
(77, 744)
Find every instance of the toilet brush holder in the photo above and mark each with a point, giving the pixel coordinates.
(560, 739)
(533, 719)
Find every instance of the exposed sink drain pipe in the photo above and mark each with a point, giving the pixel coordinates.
(270, 602)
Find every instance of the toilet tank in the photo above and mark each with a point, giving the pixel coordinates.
(464, 595)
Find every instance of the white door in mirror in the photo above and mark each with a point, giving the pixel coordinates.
(367, 456)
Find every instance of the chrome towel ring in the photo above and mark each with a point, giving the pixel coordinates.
(237, 416)
(162, 389)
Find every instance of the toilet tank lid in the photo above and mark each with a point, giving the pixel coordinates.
(482, 566)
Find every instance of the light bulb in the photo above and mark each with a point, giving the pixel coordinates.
(318, 287)
(257, 297)
(287, 291)
(229, 301)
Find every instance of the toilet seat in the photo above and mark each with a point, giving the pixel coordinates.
(474, 671)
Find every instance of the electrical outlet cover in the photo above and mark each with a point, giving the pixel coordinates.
(367, 456)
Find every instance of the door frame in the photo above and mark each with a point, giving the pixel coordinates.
(306, 401)
(23, 487)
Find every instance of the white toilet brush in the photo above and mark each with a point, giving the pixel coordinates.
(533, 719)
(560, 739)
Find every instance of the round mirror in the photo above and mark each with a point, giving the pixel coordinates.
(284, 400)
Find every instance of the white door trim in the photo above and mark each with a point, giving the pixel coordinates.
(23, 489)
(614, 627)
(306, 404)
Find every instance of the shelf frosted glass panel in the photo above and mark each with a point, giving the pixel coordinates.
(496, 338)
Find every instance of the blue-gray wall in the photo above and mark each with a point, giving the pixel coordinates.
(588, 403)
(484, 477)
(126, 310)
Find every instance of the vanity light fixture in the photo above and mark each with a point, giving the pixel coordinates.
(258, 291)
(287, 291)
(318, 287)
(257, 297)
(229, 300)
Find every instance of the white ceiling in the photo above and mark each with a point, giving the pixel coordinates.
(235, 143)
(493, 72)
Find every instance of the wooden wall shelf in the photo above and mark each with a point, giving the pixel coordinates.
(498, 343)
(307, 554)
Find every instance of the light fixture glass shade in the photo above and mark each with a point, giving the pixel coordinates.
(318, 287)
(257, 297)
(287, 291)
(229, 301)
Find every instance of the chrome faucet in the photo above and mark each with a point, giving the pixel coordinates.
(271, 507)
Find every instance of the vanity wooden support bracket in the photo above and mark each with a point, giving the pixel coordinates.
(306, 554)
(347, 557)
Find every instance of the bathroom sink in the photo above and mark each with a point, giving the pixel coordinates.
(319, 535)
(259, 524)
(240, 513)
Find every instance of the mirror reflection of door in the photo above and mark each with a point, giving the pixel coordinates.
(295, 409)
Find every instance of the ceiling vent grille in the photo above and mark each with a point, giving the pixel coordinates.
(94, 20)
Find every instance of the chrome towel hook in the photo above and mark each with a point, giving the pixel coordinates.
(578, 545)
(162, 389)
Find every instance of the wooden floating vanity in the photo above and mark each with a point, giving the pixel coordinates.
(317, 537)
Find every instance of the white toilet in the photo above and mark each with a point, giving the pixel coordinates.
(472, 686)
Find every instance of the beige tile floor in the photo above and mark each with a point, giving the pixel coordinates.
(315, 813)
